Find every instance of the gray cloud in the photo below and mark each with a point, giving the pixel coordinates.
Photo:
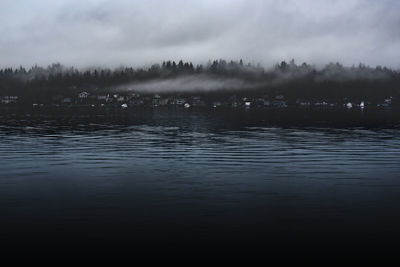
(130, 32)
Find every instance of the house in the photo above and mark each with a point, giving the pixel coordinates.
(303, 103)
(279, 104)
(163, 101)
(9, 99)
(155, 102)
(261, 102)
(83, 95)
(386, 103)
(178, 101)
(134, 95)
(197, 102)
(321, 104)
(136, 102)
(216, 104)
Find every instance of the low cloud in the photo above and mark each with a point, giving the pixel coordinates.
(276, 77)
(190, 83)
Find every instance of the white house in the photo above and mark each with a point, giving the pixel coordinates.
(9, 99)
(83, 95)
(179, 101)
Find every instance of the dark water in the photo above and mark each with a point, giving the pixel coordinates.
(194, 186)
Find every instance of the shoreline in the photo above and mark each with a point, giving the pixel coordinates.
(205, 117)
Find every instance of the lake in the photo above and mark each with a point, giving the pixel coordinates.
(199, 186)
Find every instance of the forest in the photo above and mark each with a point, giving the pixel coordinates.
(218, 78)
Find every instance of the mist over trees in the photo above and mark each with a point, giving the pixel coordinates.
(296, 81)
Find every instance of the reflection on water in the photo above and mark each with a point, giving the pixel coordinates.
(193, 178)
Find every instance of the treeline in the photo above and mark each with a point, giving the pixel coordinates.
(59, 76)
(334, 81)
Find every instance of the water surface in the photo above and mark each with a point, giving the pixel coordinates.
(200, 183)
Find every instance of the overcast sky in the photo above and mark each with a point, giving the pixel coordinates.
(130, 32)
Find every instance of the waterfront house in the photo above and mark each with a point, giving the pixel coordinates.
(197, 102)
(156, 100)
(279, 104)
(9, 99)
(121, 99)
(83, 95)
(321, 104)
(136, 102)
(163, 101)
(216, 104)
(302, 103)
(386, 103)
(261, 102)
(178, 101)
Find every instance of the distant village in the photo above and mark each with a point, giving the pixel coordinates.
(131, 100)
(285, 85)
